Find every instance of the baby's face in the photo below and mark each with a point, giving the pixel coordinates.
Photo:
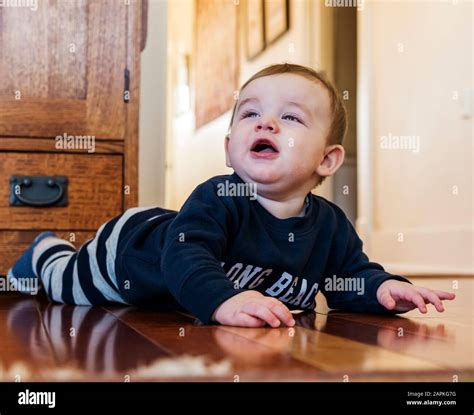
(279, 132)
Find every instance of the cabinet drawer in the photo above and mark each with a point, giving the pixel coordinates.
(94, 190)
(14, 243)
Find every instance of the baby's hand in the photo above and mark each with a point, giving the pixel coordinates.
(253, 309)
(402, 296)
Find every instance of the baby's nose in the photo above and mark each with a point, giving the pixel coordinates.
(267, 124)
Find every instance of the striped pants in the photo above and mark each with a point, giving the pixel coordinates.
(87, 276)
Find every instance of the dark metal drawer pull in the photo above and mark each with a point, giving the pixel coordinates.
(38, 191)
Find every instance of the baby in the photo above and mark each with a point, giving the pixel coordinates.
(245, 248)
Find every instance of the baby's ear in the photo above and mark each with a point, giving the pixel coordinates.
(226, 147)
(333, 158)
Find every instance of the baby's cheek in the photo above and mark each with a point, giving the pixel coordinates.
(299, 169)
(302, 156)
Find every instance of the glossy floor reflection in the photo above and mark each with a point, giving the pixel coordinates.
(44, 341)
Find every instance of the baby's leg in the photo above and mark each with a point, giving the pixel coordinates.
(70, 276)
(86, 276)
(52, 262)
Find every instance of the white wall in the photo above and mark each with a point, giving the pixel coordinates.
(416, 206)
(153, 108)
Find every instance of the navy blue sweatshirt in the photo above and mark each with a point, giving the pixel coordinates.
(220, 245)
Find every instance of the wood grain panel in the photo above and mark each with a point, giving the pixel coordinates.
(65, 73)
(107, 53)
(134, 38)
(57, 31)
(68, 47)
(94, 190)
(42, 117)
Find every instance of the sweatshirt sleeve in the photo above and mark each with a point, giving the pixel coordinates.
(192, 254)
(356, 264)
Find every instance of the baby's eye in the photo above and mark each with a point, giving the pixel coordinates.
(292, 118)
(247, 114)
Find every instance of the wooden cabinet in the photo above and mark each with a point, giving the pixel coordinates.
(94, 190)
(69, 75)
(64, 68)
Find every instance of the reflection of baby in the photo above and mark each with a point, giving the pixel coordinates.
(399, 333)
(262, 347)
(240, 259)
(86, 338)
(257, 346)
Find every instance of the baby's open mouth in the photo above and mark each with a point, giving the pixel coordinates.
(264, 146)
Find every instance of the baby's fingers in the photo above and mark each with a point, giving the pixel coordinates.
(387, 300)
(262, 312)
(416, 299)
(432, 297)
(444, 295)
(245, 320)
(283, 314)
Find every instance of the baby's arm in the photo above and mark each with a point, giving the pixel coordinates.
(401, 296)
(196, 242)
(349, 263)
(383, 292)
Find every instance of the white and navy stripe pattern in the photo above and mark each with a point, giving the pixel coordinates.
(87, 276)
(88, 339)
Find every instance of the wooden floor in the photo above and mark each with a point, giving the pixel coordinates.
(43, 341)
